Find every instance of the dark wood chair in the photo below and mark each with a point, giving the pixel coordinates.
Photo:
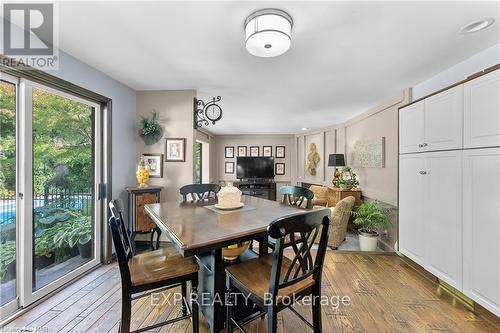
(281, 281)
(294, 196)
(199, 191)
(151, 272)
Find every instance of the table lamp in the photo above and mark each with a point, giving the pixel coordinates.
(336, 160)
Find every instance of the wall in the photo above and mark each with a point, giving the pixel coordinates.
(221, 141)
(459, 72)
(175, 111)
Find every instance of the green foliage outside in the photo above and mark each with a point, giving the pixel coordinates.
(197, 162)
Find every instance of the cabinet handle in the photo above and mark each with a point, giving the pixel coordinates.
(420, 145)
(424, 145)
(423, 172)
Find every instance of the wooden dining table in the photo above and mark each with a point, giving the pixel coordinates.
(196, 228)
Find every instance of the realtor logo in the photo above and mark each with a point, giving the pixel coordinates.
(29, 34)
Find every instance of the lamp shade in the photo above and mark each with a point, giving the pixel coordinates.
(336, 160)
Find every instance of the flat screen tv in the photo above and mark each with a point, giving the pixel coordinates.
(254, 167)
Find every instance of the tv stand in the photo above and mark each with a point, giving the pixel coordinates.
(260, 188)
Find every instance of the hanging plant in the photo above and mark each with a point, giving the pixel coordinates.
(150, 130)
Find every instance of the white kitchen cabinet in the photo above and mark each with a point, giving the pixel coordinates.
(411, 128)
(482, 111)
(412, 224)
(481, 227)
(443, 214)
(444, 120)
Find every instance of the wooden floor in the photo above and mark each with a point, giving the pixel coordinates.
(386, 295)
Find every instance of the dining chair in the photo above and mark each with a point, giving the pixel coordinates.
(199, 191)
(282, 280)
(151, 272)
(297, 196)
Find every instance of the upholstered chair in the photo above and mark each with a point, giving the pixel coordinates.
(340, 217)
(320, 195)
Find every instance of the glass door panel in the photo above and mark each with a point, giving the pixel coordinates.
(8, 206)
(63, 189)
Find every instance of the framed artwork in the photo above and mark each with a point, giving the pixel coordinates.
(254, 151)
(280, 169)
(229, 152)
(155, 163)
(267, 151)
(229, 167)
(242, 151)
(280, 151)
(369, 153)
(175, 150)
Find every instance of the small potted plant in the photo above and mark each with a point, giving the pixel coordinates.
(44, 250)
(7, 261)
(79, 233)
(370, 216)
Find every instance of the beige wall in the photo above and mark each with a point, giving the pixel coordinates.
(175, 111)
(221, 141)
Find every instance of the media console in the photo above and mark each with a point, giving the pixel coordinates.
(265, 189)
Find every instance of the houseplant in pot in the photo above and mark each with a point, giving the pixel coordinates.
(79, 233)
(370, 217)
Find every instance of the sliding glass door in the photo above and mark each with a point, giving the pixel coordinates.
(49, 206)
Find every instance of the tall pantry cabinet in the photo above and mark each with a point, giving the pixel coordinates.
(449, 186)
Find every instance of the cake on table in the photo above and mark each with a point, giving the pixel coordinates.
(229, 197)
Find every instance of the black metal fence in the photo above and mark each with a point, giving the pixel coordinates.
(56, 198)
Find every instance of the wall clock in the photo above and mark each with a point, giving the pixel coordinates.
(206, 113)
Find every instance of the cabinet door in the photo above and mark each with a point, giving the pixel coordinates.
(481, 214)
(411, 128)
(443, 208)
(142, 221)
(412, 222)
(443, 120)
(482, 111)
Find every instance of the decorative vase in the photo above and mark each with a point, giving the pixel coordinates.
(142, 173)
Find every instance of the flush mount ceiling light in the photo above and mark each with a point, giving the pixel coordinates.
(476, 26)
(268, 32)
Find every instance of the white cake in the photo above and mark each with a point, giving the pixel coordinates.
(229, 197)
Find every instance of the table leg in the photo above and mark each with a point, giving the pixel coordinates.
(212, 289)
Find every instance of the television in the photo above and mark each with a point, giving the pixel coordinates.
(254, 167)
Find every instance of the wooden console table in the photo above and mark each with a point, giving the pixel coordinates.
(340, 193)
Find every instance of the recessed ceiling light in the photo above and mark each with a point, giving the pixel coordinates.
(304, 128)
(476, 26)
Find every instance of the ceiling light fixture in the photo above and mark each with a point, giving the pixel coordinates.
(268, 32)
(476, 26)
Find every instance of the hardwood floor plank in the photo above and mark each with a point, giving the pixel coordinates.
(386, 295)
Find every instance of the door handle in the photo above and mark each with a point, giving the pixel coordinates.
(420, 145)
(423, 172)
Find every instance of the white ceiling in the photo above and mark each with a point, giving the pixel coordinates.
(344, 58)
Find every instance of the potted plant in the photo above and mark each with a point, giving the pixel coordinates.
(79, 232)
(44, 249)
(348, 179)
(150, 130)
(370, 216)
(7, 260)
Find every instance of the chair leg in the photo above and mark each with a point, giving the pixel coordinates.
(126, 312)
(194, 305)
(272, 320)
(229, 307)
(158, 232)
(184, 296)
(151, 241)
(316, 310)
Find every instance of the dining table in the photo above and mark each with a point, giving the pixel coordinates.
(198, 228)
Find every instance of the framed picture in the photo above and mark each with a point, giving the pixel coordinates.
(280, 169)
(254, 151)
(175, 150)
(267, 151)
(155, 163)
(229, 167)
(280, 151)
(229, 152)
(242, 151)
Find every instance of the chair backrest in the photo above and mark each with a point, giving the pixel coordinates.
(301, 231)
(295, 196)
(199, 191)
(121, 240)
